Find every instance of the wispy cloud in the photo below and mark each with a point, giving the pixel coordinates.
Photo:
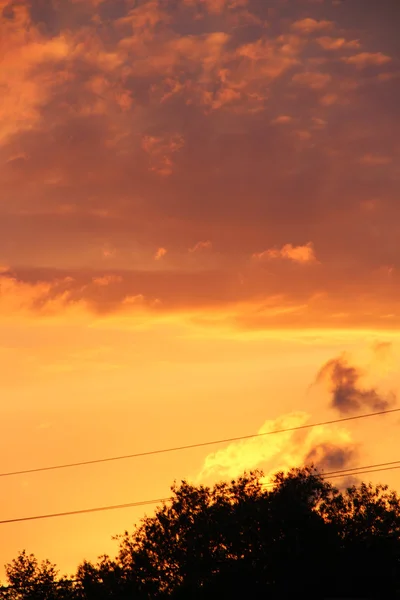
(200, 246)
(337, 43)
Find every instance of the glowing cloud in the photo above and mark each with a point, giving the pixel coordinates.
(300, 254)
(160, 253)
(326, 447)
(107, 280)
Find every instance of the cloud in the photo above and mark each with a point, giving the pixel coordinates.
(160, 150)
(348, 396)
(235, 305)
(200, 246)
(68, 297)
(217, 7)
(106, 280)
(160, 253)
(367, 59)
(31, 70)
(20, 297)
(282, 120)
(310, 25)
(328, 456)
(334, 43)
(319, 123)
(328, 447)
(375, 160)
(313, 80)
(329, 99)
(300, 254)
(129, 125)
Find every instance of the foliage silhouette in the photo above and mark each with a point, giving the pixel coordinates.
(27, 579)
(303, 538)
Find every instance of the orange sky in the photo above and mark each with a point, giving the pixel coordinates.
(198, 210)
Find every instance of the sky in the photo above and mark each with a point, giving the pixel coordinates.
(199, 227)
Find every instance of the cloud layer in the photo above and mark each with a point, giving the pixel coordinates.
(201, 154)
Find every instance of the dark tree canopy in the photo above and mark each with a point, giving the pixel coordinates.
(300, 539)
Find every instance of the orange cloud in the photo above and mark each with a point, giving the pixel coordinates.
(367, 59)
(106, 280)
(217, 7)
(109, 251)
(160, 253)
(19, 297)
(29, 73)
(301, 254)
(207, 245)
(332, 43)
(231, 305)
(310, 25)
(373, 160)
(282, 120)
(144, 18)
(272, 57)
(329, 447)
(160, 149)
(138, 127)
(312, 79)
(329, 99)
(319, 123)
(303, 134)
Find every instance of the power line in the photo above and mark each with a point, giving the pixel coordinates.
(196, 445)
(85, 511)
(331, 474)
(340, 473)
(353, 471)
(349, 471)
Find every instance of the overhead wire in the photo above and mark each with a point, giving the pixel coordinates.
(353, 471)
(333, 474)
(197, 445)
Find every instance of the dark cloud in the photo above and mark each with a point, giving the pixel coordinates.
(348, 395)
(331, 457)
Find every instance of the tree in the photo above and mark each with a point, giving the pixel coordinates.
(30, 580)
(104, 581)
(238, 536)
(367, 521)
(302, 538)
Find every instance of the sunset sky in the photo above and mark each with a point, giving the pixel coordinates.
(199, 239)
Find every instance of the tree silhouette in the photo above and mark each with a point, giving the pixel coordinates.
(301, 539)
(28, 579)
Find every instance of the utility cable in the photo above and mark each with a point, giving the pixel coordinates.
(196, 445)
(341, 473)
